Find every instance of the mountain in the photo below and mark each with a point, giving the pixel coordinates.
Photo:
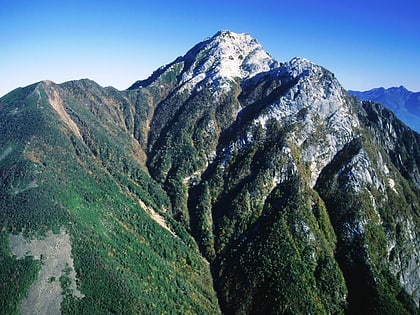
(226, 182)
(404, 103)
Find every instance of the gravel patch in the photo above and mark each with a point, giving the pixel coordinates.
(54, 250)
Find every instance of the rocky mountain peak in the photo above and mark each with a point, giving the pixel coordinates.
(216, 62)
(224, 57)
(301, 198)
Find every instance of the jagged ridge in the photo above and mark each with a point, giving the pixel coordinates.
(289, 186)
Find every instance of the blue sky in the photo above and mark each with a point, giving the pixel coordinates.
(366, 43)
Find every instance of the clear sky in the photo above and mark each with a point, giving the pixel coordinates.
(366, 43)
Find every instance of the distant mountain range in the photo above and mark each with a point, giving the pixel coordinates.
(227, 182)
(404, 103)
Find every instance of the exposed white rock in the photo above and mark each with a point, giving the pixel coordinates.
(223, 58)
(391, 184)
(318, 108)
(359, 173)
(404, 259)
(318, 116)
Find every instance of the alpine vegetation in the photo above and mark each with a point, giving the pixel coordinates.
(226, 182)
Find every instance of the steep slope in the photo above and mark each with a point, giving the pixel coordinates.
(70, 161)
(302, 198)
(244, 161)
(405, 104)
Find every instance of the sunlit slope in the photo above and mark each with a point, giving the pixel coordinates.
(68, 165)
